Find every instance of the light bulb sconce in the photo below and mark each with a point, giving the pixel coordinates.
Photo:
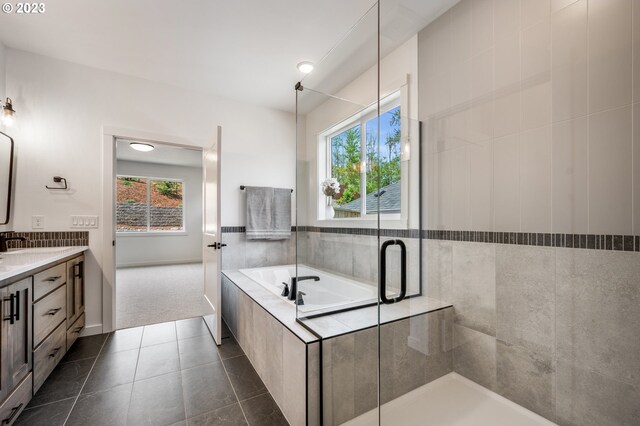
(58, 179)
(8, 113)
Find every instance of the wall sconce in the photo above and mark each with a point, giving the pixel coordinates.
(8, 113)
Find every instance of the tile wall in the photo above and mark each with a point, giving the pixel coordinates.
(242, 253)
(553, 329)
(350, 363)
(532, 114)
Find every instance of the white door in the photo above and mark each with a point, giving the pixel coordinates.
(211, 237)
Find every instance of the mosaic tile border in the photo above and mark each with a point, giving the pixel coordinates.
(49, 239)
(241, 229)
(582, 241)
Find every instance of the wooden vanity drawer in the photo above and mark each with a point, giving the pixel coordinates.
(15, 403)
(48, 313)
(74, 331)
(48, 354)
(46, 281)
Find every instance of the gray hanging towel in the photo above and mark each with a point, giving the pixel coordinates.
(268, 213)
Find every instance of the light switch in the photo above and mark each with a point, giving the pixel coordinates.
(82, 221)
(37, 222)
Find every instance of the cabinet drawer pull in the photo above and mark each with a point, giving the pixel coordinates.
(77, 330)
(14, 411)
(55, 351)
(17, 309)
(12, 310)
(52, 279)
(53, 311)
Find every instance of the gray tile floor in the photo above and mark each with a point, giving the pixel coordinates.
(163, 374)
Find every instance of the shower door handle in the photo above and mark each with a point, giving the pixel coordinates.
(383, 272)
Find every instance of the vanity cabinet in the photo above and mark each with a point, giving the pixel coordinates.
(42, 315)
(16, 355)
(16, 348)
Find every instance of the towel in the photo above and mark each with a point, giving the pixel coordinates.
(268, 213)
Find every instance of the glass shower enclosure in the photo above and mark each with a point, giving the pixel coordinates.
(467, 242)
(360, 276)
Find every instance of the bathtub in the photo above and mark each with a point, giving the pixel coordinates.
(330, 293)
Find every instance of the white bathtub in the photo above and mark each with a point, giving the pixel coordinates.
(327, 294)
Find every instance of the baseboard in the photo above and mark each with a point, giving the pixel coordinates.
(157, 263)
(91, 330)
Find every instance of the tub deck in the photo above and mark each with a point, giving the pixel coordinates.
(312, 328)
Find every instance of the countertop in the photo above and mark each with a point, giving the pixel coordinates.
(20, 261)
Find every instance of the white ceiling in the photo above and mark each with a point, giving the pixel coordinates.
(245, 50)
(162, 154)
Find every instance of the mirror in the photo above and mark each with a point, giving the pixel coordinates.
(6, 174)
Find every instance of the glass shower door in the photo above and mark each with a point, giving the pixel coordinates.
(358, 272)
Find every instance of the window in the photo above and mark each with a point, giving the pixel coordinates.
(372, 166)
(149, 205)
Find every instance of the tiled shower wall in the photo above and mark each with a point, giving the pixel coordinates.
(532, 121)
(553, 329)
(531, 110)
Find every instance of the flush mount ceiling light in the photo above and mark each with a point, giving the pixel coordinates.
(305, 67)
(144, 147)
(8, 113)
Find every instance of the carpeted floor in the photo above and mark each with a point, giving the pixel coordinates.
(153, 294)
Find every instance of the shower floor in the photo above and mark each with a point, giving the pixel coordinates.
(451, 400)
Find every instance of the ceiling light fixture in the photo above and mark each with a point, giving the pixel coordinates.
(8, 113)
(144, 147)
(305, 67)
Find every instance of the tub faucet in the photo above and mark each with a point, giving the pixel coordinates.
(4, 239)
(293, 288)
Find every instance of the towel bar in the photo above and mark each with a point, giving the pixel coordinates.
(242, 188)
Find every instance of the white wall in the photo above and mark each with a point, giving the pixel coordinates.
(138, 250)
(62, 108)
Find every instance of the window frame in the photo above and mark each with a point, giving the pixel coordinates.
(390, 102)
(149, 232)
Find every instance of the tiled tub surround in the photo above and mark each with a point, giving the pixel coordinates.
(48, 239)
(413, 352)
(348, 252)
(552, 329)
(279, 349)
(416, 350)
(242, 253)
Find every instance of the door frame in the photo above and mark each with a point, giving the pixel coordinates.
(109, 136)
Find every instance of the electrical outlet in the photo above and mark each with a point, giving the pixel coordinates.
(37, 222)
(83, 221)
